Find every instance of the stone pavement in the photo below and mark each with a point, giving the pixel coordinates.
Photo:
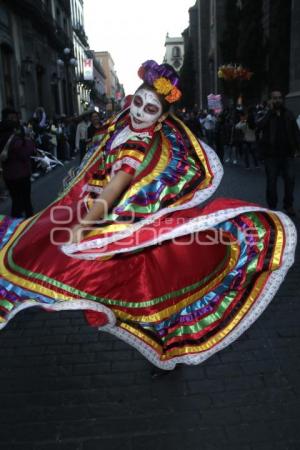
(65, 386)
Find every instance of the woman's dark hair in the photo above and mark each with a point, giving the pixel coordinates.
(165, 105)
(95, 112)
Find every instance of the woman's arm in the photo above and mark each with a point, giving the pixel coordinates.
(102, 204)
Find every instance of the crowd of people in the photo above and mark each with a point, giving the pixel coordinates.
(29, 149)
(265, 135)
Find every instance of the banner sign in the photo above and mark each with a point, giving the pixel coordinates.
(88, 69)
(215, 102)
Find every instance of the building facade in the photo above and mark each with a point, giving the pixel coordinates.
(262, 35)
(293, 97)
(32, 40)
(112, 84)
(202, 44)
(80, 46)
(174, 53)
(276, 21)
(97, 94)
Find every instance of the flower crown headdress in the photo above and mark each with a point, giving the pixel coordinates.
(163, 78)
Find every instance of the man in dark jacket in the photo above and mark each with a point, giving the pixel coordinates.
(280, 141)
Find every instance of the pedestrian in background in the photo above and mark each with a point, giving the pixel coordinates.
(70, 132)
(63, 146)
(7, 125)
(222, 134)
(82, 135)
(16, 166)
(95, 125)
(247, 126)
(280, 141)
(209, 125)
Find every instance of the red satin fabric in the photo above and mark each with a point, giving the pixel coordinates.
(136, 277)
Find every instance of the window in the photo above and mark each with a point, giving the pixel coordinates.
(58, 16)
(212, 12)
(6, 57)
(176, 52)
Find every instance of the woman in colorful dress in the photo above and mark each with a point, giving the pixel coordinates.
(128, 242)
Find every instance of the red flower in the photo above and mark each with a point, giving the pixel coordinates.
(141, 72)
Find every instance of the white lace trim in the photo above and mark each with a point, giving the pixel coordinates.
(265, 297)
(64, 305)
(127, 134)
(89, 188)
(126, 160)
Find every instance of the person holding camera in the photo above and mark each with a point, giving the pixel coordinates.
(280, 142)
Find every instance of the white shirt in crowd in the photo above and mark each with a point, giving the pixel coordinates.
(249, 134)
(209, 122)
(81, 132)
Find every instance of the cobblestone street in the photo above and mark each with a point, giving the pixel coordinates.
(66, 386)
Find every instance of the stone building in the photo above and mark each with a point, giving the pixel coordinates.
(97, 94)
(202, 50)
(276, 21)
(263, 35)
(33, 36)
(174, 51)
(293, 97)
(112, 85)
(80, 45)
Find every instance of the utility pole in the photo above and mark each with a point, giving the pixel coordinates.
(200, 54)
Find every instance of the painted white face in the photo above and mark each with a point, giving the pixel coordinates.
(145, 109)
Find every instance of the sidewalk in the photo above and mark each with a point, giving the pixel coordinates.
(65, 386)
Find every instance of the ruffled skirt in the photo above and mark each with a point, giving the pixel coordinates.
(177, 300)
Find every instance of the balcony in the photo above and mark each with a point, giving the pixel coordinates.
(65, 5)
(79, 30)
(43, 21)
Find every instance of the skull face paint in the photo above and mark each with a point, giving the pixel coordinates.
(145, 109)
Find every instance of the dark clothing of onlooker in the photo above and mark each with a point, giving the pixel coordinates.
(280, 134)
(221, 138)
(279, 143)
(194, 125)
(18, 164)
(20, 192)
(6, 129)
(16, 174)
(275, 167)
(249, 148)
(91, 131)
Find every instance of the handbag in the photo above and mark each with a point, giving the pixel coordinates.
(4, 153)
